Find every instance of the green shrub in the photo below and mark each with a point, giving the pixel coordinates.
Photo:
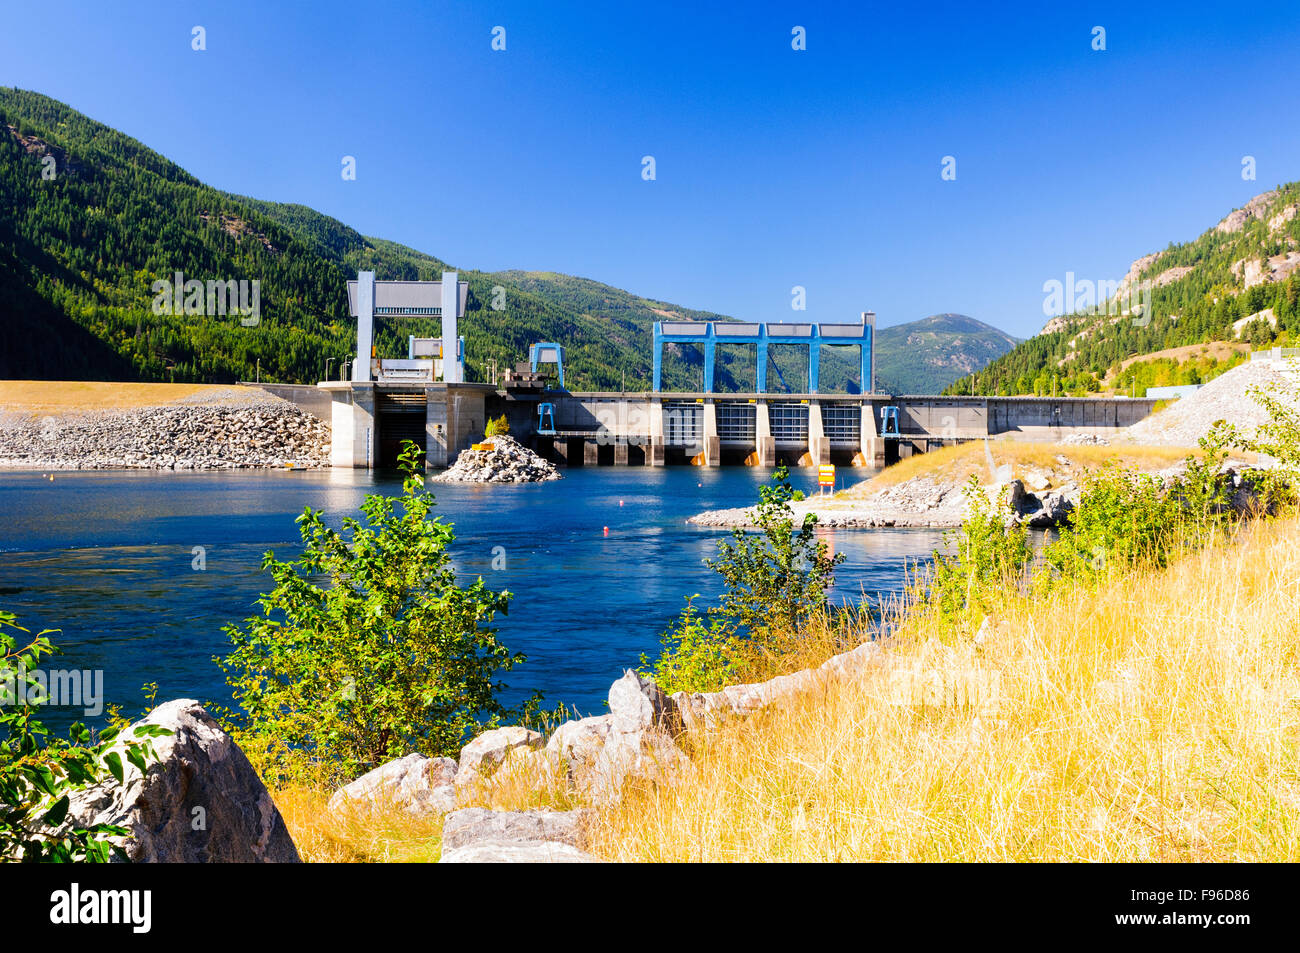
(496, 426)
(776, 581)
(778, 577)
(38, 777)
(1123, 518)
(698, 654)
(988, 557)
(1277, 438)
(367, 648)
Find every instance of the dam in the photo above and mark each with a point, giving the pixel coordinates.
(649, 429)
(425, 398)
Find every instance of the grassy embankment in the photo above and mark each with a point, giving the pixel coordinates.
(1154, 717)
(957, 463)
(382, 836)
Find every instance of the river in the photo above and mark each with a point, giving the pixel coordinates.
(599, 563)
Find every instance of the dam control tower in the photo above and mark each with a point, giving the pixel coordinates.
(427, 359)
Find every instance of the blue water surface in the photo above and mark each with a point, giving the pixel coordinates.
(599, 563)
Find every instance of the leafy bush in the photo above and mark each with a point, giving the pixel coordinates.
(37, 778)
(384, 656)
(988, 557)
(776, 579)
(699, 654)
(495, 426)
(1123, 518)
(1277, 438)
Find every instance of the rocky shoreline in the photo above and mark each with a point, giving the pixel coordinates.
(922, 503)
(236, 430)
(1042, 499)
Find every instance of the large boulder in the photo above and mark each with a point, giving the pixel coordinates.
(475, 835)
(697, 709)
(638, 704)
(200, 801)
(644, 722)
(489, 749)
(575, 745)
(415, 784)
(1053, 507)
(648, 755)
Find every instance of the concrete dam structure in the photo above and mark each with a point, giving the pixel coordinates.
(369, 421)
(425, 398)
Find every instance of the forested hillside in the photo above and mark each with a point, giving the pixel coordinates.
(90, 218)
(79, 253)
(1237, 283)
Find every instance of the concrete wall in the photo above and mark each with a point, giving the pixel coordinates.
(1026, 418)
(455, 416)
(353, 432)
(307, 397)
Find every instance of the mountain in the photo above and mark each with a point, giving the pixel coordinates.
(90, 219)
(1234, 287)
(925, 356)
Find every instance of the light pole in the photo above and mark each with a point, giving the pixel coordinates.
(259, 370)
(328, 362)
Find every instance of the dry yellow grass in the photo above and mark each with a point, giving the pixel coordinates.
(1155, 718)
(957, 463)
(360, 836)
(52, 397)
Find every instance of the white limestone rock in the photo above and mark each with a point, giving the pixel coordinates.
(418, 785)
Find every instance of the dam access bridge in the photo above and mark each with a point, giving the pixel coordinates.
(425, 398)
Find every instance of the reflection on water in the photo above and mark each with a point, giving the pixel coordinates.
(107, 558)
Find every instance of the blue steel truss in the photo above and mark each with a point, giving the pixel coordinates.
(889, 422)
(813, 335)
(546, 420)
(548, 353)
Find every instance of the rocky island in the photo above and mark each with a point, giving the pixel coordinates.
(499, 459)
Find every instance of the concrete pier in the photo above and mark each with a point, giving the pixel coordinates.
(368, 418)
(712, 445)
(655, 452)
(872, 450)
(819, 445)
(353, 429)
(764, 443)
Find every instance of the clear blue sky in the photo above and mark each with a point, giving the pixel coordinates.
(775, 168)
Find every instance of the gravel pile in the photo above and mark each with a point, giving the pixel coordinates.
(505, 461)
(1227, 397)
(237, 430)
(1083, 440)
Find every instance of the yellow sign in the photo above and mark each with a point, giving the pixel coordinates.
(826, 474)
